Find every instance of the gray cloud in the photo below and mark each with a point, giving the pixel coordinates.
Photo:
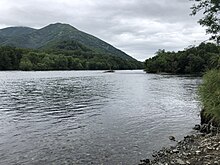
(138, 27)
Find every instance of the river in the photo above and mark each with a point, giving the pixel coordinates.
(91, 117)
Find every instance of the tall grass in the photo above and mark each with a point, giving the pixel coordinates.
(209, 93)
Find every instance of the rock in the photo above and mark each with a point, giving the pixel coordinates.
(185, 154)
(154, 155)
(159, 163)
(146, 161)
(160, 153)
(208, 156)
(205, 128)
(213, 129)
(187, 162)
(209, 148)
(172, 138)
(216, 145)
(197, 127)
(198, 152)
(175, 151)
(172, 162)
(184, 147)
(180, 162)
(142, 163)
(216, 163)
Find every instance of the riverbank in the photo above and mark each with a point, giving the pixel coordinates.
(196, 149)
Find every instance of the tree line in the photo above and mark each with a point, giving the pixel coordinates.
(189, 61)
(12, 58)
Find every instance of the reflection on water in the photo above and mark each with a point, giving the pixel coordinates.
(87, 117)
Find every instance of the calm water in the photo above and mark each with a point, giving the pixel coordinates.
(90, 117)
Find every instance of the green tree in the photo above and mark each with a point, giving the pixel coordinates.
(211, 19)
(9, 58)
(25, 64)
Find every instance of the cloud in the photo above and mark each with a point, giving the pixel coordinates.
(138, 27)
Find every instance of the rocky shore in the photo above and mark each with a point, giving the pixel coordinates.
(202, 148)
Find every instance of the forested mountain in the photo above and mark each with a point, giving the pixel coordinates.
(52, 34)
(59, 47)
(191, 60)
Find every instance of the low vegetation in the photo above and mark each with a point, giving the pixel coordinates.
(209, 93)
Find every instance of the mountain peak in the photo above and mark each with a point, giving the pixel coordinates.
(60, 26)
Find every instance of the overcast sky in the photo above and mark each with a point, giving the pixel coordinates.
(137, 27)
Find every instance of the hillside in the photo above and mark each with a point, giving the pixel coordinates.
(59, 47)
(52, 36)
(15, 31)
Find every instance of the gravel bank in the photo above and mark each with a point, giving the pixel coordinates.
(196, 149)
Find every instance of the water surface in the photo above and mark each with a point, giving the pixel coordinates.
(90, 117)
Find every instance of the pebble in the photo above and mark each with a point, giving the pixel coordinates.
(187, 162)
(209, 148)
(216, 163)
(175, 151)
(198, 152)
(180, 162)
(172, 138)
(197, 127)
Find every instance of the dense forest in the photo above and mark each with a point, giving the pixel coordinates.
(78, 58)
(189, 61)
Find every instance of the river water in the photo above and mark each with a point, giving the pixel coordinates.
(91, 117)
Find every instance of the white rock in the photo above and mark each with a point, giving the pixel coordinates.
(198, 152)
(180, 162)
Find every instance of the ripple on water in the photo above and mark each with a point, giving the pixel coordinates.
(90, 117)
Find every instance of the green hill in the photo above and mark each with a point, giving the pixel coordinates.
(49, 36)
(59, 47)
(15, 31)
